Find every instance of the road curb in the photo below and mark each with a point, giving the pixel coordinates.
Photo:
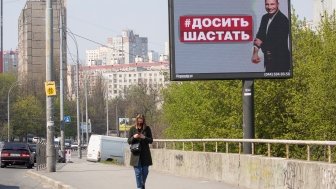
(53, 183)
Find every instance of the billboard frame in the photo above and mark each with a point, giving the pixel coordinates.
(174, 76)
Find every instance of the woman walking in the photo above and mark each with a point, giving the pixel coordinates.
(141, 134)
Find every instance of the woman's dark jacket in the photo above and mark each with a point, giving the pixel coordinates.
(144, 156)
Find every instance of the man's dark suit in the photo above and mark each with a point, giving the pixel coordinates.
(275, 43)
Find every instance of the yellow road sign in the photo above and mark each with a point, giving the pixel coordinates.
(50, 88)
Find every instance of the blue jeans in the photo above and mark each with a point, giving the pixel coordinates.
(141, 173)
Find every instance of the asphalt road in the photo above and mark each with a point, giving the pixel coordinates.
(16, 178)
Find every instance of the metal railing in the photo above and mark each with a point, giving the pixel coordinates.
(311, 147)
(41, 157)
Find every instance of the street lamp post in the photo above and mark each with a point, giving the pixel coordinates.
(77, 96)
(107, 117)
(86, 111)
(10, 89)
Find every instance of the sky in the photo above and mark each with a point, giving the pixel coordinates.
(99, 19)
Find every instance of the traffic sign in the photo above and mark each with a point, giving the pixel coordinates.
(50, 88)
(67, 119)
(83, 127)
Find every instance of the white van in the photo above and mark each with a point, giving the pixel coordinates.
(102, 148)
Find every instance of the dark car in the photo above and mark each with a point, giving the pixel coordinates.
(15, 153)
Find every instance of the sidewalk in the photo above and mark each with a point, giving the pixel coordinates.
(82, 174)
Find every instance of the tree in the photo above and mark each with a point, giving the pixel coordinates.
(6, 80)
(208, 109)
(27, 117)
(147, 101)
(97, 106)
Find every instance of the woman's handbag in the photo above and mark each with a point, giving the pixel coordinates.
(135, 148)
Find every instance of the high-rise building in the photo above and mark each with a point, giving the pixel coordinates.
(32, 41)
(10, 61)
(321, 7)
(125, 49)
(153, 56)
(134, 46)
(166, 49)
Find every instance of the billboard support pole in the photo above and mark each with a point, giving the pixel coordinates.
(248, 114)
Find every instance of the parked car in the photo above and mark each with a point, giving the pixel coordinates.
(74, 146)
(35, 139)
(67, 143)
(16, 153)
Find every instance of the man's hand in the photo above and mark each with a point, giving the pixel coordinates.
(255, 58)
(257, 42)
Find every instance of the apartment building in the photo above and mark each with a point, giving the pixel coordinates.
(10, 61)
(123, 49)
(320, 7)
(118, 78)
(32, 41)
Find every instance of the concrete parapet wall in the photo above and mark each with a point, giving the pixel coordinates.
(245, 171)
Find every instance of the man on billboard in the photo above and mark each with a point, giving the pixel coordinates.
(272, 39)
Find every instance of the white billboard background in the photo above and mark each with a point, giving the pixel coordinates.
(222, 57)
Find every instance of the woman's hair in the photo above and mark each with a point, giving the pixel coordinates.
(140, 116)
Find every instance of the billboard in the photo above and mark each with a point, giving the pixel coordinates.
(124, 124)
(229, 39)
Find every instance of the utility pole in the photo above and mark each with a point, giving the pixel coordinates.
(50, 150)
(82, 125)
(2, 69)
(86, 111)
(117, 118)
(77, 101)
(107, 116)
(61, 82)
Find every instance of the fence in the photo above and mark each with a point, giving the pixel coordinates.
(320, 150)
(41, 156)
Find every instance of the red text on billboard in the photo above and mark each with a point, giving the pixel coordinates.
(216, 29)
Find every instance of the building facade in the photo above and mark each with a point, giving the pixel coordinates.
(10, 61)
(321, 7)
(118, 79)
(32, 41)
(124, 49)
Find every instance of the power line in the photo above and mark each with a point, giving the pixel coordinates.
(104, 28)
(92, 41)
